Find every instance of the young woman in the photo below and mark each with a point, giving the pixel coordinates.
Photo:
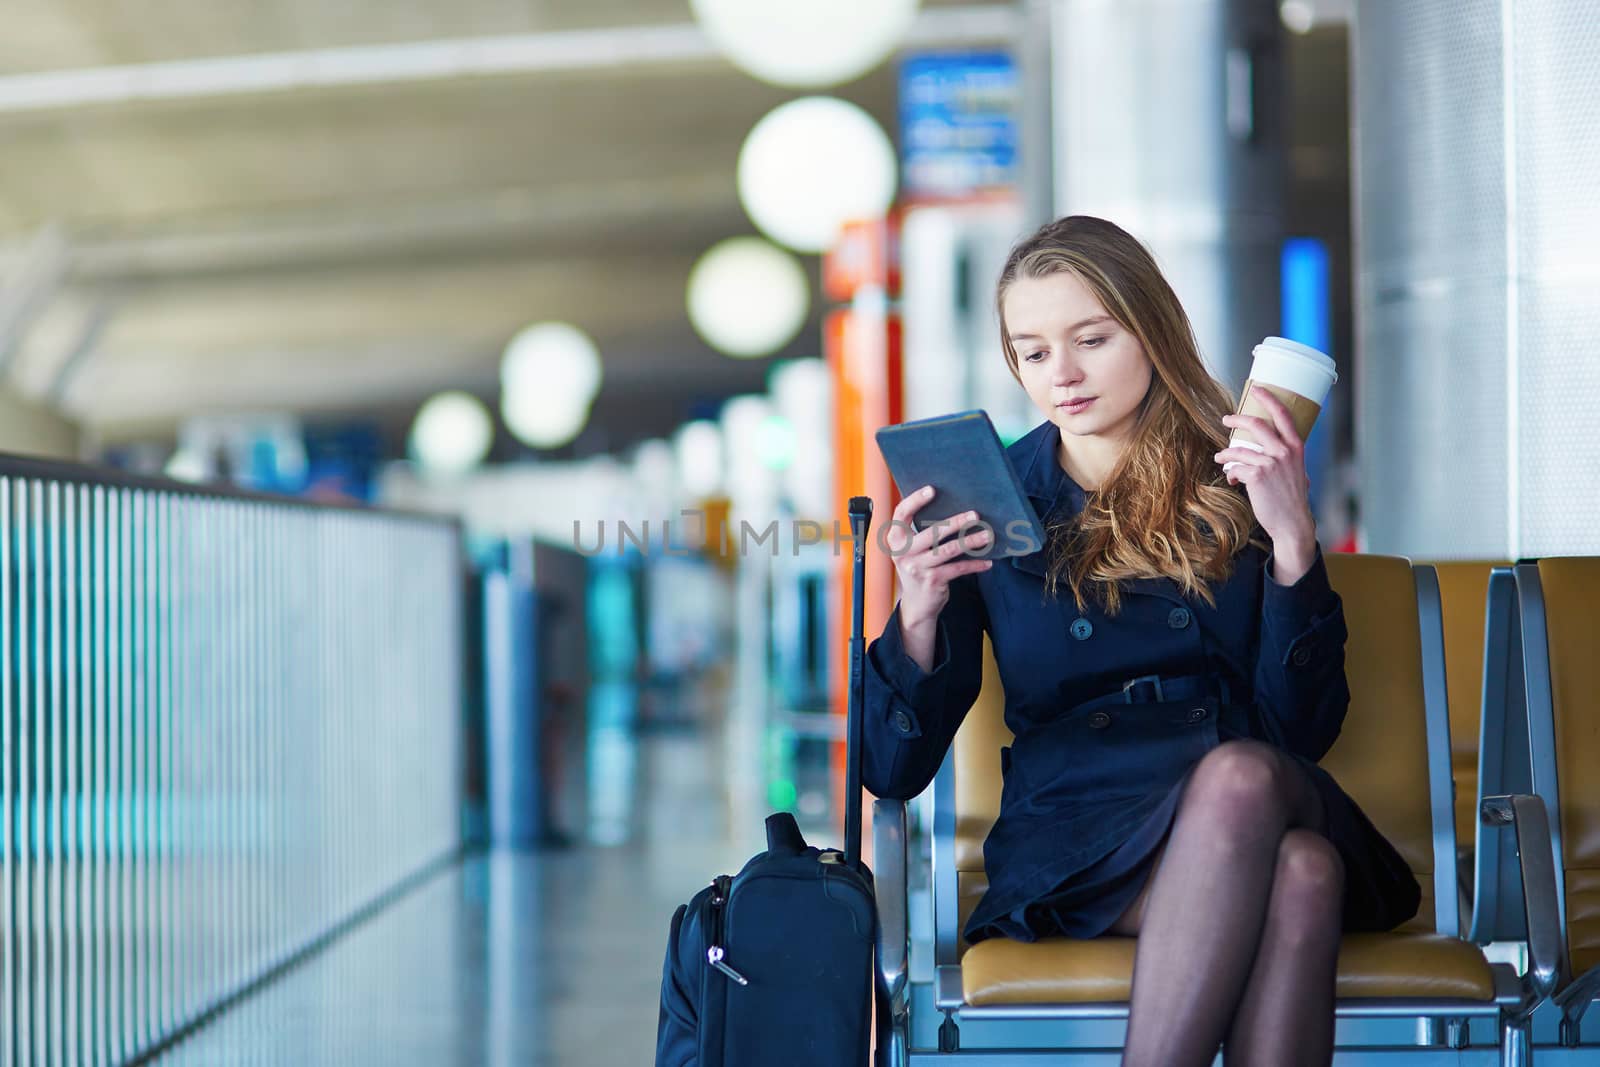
(1173, 664)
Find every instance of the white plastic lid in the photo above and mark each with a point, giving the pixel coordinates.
(1322, 359)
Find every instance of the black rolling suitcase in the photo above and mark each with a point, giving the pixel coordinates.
(773, 966)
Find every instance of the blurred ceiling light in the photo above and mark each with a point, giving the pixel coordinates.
(698, 446)
(548, 380)
(1298, 15)
(812, 165)
(809, 44)
(543, 420)
(747, 297)
(451, 434)
(552, 357)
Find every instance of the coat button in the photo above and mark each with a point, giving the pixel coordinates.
(1099, 720)
(902, 722)
(1178, 618)
(1302, 656)
(1197, 714)
(1082, 628)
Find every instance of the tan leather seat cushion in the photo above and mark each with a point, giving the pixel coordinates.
(1572, 616)
(1583, 920)
(1064, 971)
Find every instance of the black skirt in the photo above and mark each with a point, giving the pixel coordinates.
(1380, 891)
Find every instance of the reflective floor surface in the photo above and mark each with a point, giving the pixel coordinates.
(509, 958)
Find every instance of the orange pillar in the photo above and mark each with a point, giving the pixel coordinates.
(862, 344)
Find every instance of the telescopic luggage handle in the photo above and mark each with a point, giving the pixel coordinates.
(860, 522)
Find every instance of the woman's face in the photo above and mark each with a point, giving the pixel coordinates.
(1079, 366)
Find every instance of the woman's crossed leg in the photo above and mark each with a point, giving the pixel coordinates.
(1239, 926)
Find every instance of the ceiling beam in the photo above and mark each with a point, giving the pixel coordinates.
(511, 223)
(425, 61)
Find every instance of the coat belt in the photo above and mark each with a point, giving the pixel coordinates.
(1156, 689)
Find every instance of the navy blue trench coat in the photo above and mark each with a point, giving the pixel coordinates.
(1081, 781)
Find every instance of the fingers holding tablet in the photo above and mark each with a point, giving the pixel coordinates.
(898, 535)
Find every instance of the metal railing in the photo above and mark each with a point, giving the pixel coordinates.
(229, 724)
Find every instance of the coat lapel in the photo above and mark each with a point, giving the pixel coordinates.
(1049, 489)
(1045, 483)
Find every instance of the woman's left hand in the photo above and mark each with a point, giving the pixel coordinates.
(1275, 480)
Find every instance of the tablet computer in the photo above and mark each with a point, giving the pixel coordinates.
(961, 456)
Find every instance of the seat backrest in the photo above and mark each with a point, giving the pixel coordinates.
(976, 758)
(1463, 593)
(1571, 593)
(1381, 757)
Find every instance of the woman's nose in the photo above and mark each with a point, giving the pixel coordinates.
(1065, 371)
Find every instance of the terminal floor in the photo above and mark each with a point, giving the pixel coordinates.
(537, 958)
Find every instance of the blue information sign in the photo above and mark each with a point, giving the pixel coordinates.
(958, 123)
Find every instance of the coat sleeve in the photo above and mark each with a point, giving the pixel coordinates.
(910, 717)
(1301, 694)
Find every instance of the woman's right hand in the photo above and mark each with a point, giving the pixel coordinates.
(925, 568)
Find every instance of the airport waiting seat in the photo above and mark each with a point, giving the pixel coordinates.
(1392, 756)
(1559, 601)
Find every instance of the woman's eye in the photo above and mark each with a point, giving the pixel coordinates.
(1032, 357)
(1092, 342)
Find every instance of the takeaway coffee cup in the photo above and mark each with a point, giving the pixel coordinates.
(1296, 374)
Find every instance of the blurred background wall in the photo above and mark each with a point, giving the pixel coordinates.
(1477, 230)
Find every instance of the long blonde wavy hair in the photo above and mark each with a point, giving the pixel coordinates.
(1166, 509)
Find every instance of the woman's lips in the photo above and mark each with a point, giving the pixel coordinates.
(1074, 407)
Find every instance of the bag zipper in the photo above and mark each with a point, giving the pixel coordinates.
(720, 887)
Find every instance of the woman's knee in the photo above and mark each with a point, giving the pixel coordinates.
(1307, 886)
(1241, 783)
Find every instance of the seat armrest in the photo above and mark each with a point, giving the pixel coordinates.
(889, 880)
(1574, 1001)
(1527, 816)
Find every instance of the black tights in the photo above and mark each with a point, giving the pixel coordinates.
(1239, 926)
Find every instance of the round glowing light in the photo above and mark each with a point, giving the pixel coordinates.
(1299, 16)
(552, 357)
(543, 420)
(548, 379)
(810, 166)
(815, 43)
(698, 446)
(452, 434)
(747, 297)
